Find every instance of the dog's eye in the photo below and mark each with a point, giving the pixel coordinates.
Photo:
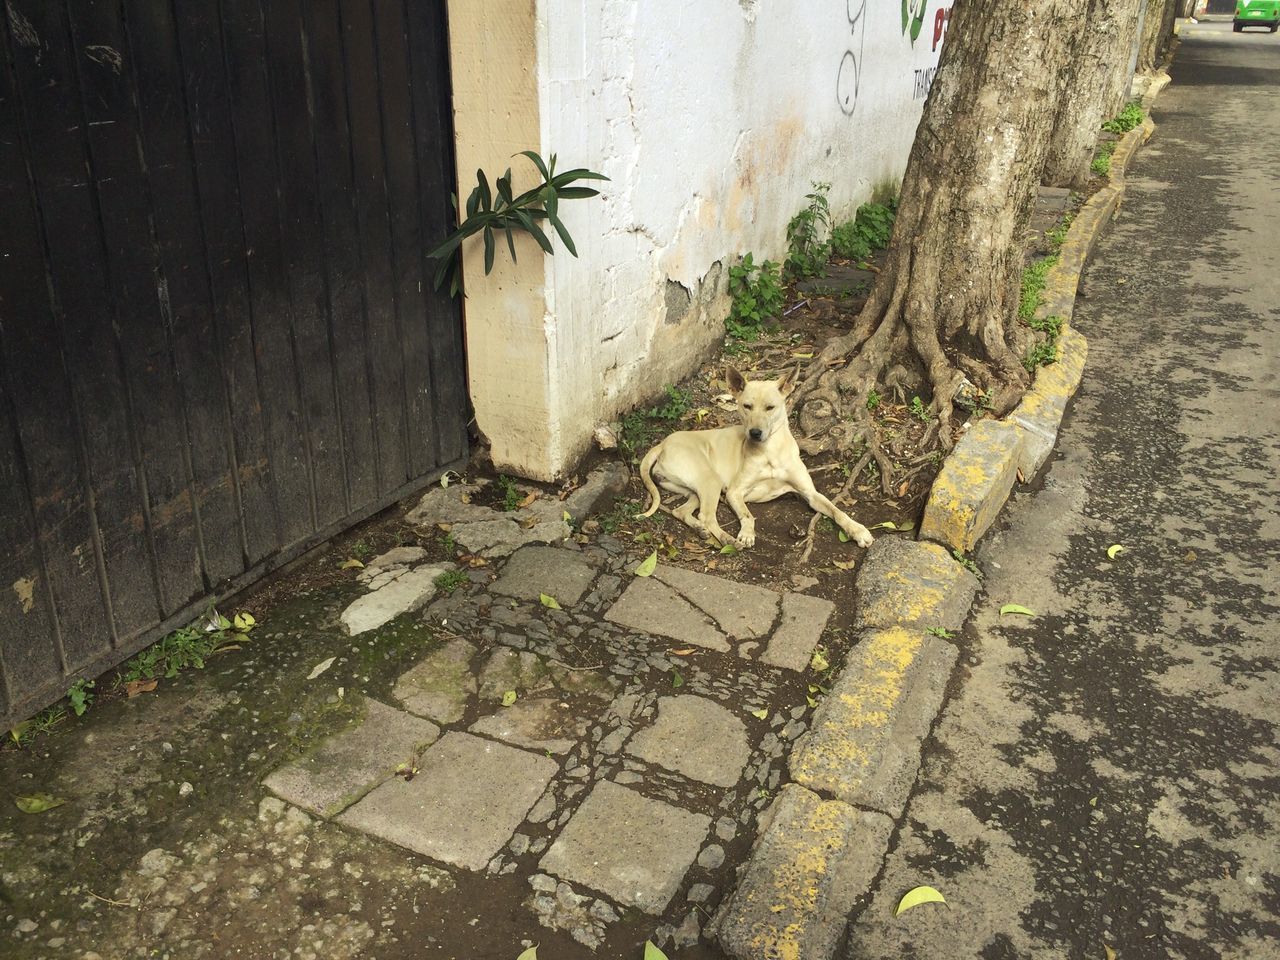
(769, 407)
(746, 406)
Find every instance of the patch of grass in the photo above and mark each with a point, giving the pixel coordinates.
(511, 495)
(28, 731)
(1101, 164)
(362, 550)
(942, 632)
(873, 400)
(1046, 351)
(1033, 281)
(641, 427)
(450, 581)
(868, 231)
(757, 297)
(80, 695)
(1131, 116)
(1058, 235)
(623, 511)
(808, 250)
(920, 410)
(448, 544)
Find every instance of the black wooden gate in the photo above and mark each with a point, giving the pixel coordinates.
(218, 340)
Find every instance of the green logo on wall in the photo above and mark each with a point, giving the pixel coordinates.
(913, 17)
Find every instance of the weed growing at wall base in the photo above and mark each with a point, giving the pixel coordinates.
(1102, 159)
(868, 231)
(641, 427)
(808, 250)
(1128, 118)
(757, 296)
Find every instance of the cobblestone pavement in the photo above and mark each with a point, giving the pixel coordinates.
(603, 736)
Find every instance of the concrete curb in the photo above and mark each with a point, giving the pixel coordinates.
(822, 842)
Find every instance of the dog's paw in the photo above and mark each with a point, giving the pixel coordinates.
(862, 537)
(746, 539)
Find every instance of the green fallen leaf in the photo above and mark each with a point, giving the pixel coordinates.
(1017, 608)
(677, 681)
(729, 549)
(844, 537)
(916, 897)
(1113, 550)
(819, 661)
(548, 602)
(530, 954)
(812, 702)
(508, 698)
(887, 525)
(653, 953)
(942, 632)
(567, 519)
(647, 565)
(17, 731)
(244, 622)
(38, 802)
(761, 714)
(352, 564)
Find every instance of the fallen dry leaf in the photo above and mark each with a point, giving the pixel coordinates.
(682, 653)
(528, 500)
(135, 687)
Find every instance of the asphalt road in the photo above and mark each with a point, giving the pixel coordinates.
(1107, 775)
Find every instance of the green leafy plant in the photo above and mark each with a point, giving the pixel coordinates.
(450, 581)
(873, 400)
(868, 231)
(808, 248)
(942, 632)
(1101, 164)
(920, 410)
(976, 403)
(641, 427)
(967, 563)
(27, 731)
(490, 213)
(757, 296)
(1046, 351)
(1131, 116)
(511, 495)
(188, 647)
(80, 694)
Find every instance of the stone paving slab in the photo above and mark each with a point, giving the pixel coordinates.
(347, 766)
(803, 620)
(742, 611)
(864, 744)
(813, 861)
(695, 737)
(559, 573)
(405, 593)
(440, 686)
(912, 583)
(628, 847)
(466, 801)
(543, 724)
(653, 607)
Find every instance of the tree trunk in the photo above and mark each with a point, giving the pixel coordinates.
(1157, 31)
(1093, 89)
(942, 317)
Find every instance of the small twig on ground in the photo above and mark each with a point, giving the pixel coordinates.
(573, 669)
(808, 538)
(114, 903)
(794, 307)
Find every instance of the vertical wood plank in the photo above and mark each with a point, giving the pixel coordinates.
(213, 145)
(244, 50)
(341, 245)
(106, 87)
(375, 241)
(433, 134)
(184, 298)
(400, 155)
(83, 306)
(303, 234)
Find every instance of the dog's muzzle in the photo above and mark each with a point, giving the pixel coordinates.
(756, 434)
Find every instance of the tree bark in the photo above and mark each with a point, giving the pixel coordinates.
(1157, 31)
(1093, 88)
(942, 317)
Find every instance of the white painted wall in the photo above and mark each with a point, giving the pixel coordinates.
(713, 119)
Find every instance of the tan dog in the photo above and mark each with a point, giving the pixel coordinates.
(755, 461)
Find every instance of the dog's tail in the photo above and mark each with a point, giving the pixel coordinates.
(646, 466)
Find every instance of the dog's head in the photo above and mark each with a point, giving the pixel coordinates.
(762, 403)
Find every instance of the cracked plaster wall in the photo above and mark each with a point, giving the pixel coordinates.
(712, 121)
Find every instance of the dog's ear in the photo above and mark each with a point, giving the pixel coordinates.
(787, 382)
(737, 382)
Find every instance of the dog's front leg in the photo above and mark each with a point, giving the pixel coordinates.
(747, 530)
(803, 485)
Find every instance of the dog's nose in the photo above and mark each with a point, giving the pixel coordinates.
(757, 433)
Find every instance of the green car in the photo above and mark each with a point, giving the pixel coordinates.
(1257, 13)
